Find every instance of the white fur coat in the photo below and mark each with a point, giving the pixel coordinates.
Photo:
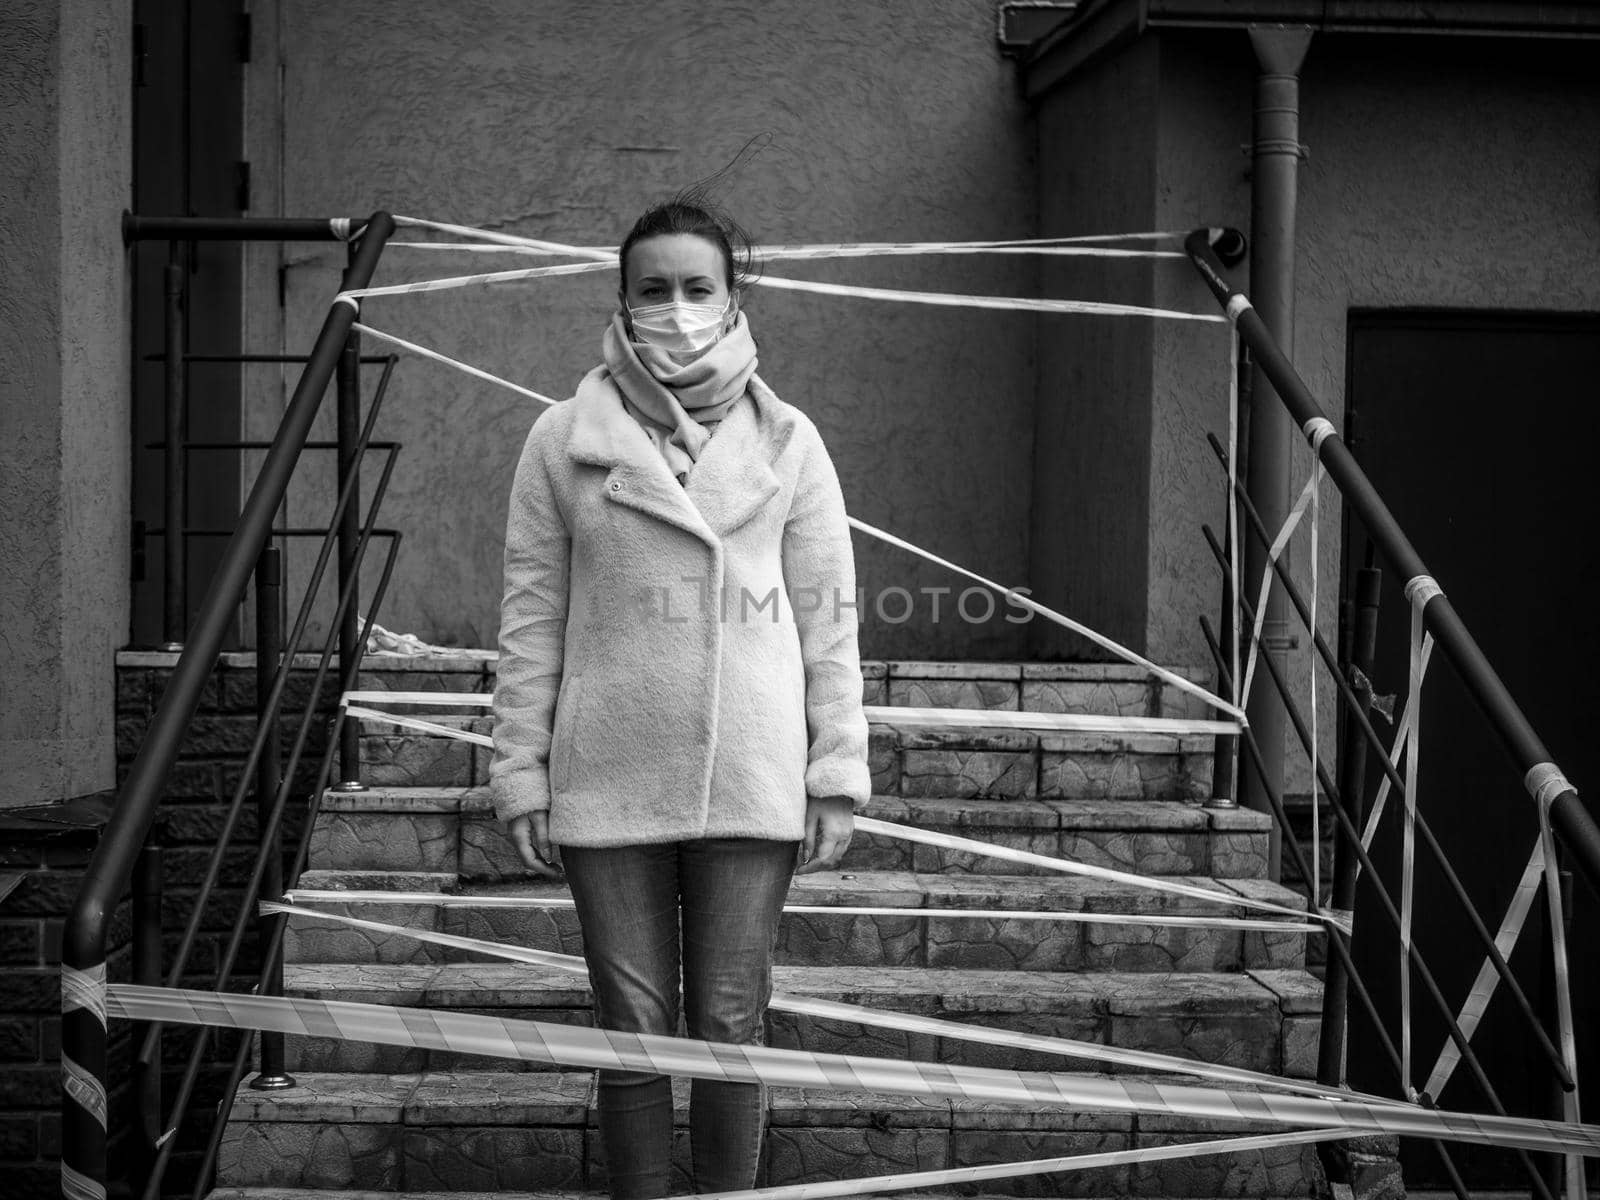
(633, 704)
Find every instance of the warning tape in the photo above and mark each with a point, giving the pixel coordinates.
(609, 253)
(861, 1014)
(450, 362)
(1483, 987)
(577, 1046)
(600, 259)
(1048, 248)
(847, 290)
(885, 828)
(560, 903)
(1050, 614)
(904, 714)
(1038, 1166)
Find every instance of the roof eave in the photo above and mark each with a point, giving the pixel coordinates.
(1102, 27)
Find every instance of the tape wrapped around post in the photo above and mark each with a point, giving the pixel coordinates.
(75, 1185)
(84, 989)
(1545, 782)
(1317, 431)
(88, 1092)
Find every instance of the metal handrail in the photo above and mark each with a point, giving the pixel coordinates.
(1571, 822)
(1363, 726)
(110, 870)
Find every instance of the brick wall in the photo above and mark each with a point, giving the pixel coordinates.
(188, 825)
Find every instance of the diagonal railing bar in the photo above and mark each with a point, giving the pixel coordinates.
(1336, 940)
(110, 870)
(274, 706)
(1413, 955)
(272, 950)
(1355, 708)
(1570, 820)
(266, 836)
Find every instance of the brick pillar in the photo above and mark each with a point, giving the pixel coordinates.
(43, 851)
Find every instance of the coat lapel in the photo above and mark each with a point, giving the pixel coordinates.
(730, 482)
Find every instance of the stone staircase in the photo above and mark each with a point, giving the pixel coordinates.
(369, 1119)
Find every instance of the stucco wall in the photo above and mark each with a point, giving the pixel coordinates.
(562, 120)
(1091, 489)
(64, 399)
(1203, 181)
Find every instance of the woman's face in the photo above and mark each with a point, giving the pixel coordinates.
(675, 266)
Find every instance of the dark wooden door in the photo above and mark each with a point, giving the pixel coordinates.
(188, 134)
(1480, 431)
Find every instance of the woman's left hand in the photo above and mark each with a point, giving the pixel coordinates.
(830, 824)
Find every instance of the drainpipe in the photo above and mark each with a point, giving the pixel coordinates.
(1279, 49)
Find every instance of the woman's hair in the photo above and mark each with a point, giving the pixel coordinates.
(692, 212)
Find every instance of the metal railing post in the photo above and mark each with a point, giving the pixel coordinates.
(1554, 1167)
(348, 381)
(269, 776)
(175, 600)
(147, 955)
(1225, 758)
(1352, 786)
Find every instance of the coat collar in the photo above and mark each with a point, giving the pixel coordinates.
(730, 482)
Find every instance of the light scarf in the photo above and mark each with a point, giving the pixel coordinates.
(680, 405)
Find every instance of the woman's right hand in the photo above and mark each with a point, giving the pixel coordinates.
(530, 833)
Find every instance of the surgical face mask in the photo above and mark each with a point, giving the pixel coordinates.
(678, 327)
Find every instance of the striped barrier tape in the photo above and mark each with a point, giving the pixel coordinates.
(456, 900)
(577, 1046)
(1011, 594)
(1488, 979)
(424, 352)
(863, 1015)
(599, 257)
(1038, 1166)
(1032, 304)
(872, 824)
(901, 714)
(609, 253)
(1047, 248)
(1100, 308)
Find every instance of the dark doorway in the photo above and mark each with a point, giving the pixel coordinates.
(188, 161)
(1479, 431)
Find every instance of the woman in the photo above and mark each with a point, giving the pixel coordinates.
(679, 698)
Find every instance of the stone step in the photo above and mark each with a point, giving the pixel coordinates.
(927, 762)
(1261, 1020)
(1002, 943)
(455, 830)
(526, 1130)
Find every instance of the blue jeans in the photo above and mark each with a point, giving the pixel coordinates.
(726, 895)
